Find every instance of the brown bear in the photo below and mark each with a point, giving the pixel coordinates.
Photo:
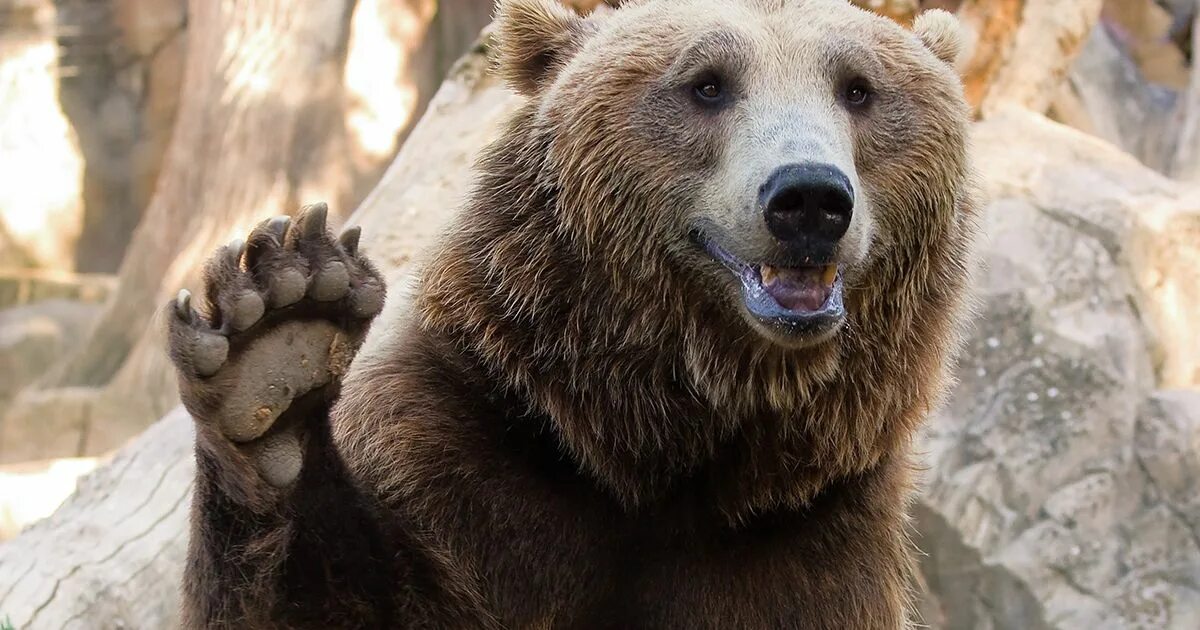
(663, 371)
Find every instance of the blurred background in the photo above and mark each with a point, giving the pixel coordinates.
(1061, 486)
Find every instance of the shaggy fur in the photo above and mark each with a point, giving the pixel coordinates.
(575, 426)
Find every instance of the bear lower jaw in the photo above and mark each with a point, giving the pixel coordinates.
(798, 327)
(797, 306)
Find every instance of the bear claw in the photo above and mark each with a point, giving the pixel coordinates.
(279, 225)
(183, 305)
(312, 220)
(349, 240)
(235, 250)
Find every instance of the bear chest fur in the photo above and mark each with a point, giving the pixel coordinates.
(544, 547)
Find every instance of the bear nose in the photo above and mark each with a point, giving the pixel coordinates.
(807, 201)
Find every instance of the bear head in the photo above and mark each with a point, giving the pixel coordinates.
(716, 228)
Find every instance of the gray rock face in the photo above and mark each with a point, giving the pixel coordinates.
(1061, 491)
(33, 336)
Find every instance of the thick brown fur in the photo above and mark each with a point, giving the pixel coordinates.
(575, 426)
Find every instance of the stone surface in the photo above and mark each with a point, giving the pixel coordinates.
(32, 337)
(1107, 95)
(1061, 487)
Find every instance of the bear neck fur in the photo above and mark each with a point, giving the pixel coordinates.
(649, 393)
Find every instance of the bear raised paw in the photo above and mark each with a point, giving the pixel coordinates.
(284, 313)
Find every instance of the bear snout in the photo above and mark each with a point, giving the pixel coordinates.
(807, 205)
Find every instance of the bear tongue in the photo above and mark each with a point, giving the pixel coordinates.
(804, 289)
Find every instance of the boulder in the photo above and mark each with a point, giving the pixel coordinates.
(1107, 95)
(1058, 489)
(32, 337)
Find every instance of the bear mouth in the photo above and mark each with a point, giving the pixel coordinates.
(792, 299)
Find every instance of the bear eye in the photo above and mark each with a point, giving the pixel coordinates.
(858, 93)
(709, 91)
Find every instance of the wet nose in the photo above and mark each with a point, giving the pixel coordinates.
(804, 202)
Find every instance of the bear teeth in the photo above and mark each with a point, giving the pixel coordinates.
(829, 274)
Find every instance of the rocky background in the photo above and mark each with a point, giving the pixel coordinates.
(135, 135)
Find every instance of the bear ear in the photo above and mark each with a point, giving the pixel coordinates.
(534, 39)
(941, 32)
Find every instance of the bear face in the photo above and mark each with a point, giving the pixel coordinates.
(769, 154)
(617, 268)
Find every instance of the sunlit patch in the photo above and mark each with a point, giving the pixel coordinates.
(378, 76)
(33, 491)
(40, 204)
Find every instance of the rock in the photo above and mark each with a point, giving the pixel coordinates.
(112, 557)
(1145, 30)
(1165, 253)
(1187, 158)
(1040, 508)
(1144, 220)
(32, 337)
(1107, 95)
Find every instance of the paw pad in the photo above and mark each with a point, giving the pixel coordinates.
(331, 283)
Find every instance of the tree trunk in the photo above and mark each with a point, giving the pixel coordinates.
(121, 70)
(112, 555)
